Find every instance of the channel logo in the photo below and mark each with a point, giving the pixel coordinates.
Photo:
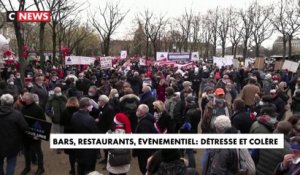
(28, 16)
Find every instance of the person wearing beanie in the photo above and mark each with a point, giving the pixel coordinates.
(122, 123)
(122, 126)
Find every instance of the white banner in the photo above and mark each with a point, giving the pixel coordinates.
(79, 60)
(195, 56)
(106, 62)
(123, 54)
(164, 141)
(161, 56)
(290, 66)
(223, 61)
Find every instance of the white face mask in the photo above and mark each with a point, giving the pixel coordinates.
(90, 108)
(117, 95)
(11, 83)
(91, 94)
(58, 94)
(261, 103)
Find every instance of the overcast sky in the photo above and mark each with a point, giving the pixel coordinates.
(172, 8)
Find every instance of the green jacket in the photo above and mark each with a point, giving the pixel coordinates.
(55, 106)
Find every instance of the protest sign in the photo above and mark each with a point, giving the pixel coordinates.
(123, 54)
(259, 62)
(79, 60)
(290, 66)
(106, 62)
(161, 56)
(38, 128)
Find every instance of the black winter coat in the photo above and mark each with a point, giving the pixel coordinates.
(83, 123)
(241, 121)
(12, 128)
(295, 106)
(66, 117)
(106, 117)
(35, 111)
(193, 115)
(128, 105)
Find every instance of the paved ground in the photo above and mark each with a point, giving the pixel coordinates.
(57, 164)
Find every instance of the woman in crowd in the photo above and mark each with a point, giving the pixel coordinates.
(72, 106)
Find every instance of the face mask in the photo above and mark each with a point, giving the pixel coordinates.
(18, 76)
(40, 84)
(90, 108)
(11, 83)
(261, 103)
(29, 85)
(91, 94)
(117, 95)
(54, 79)
(58, 94)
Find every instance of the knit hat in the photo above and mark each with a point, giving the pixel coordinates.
(122, 120)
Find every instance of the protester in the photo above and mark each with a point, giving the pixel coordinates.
(83, 123)
(32, 145)
(12, 129)
(72, 106)
(145, 126)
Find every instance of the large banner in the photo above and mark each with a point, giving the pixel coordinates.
(223, 61)
(38, 128)
(184, 57)
(161, 56)
(79, 60)
(106, 62)
(290, 66)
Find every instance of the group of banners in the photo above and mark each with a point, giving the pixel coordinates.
(177, 56)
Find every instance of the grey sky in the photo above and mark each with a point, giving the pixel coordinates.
(172, 9)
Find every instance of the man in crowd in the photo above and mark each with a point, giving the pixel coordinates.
(40, 89)
(32, 145)
(12, 129)
(83, 123)
(145, 126)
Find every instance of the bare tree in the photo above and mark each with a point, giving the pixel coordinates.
(196, 24)
(223, 28)
(286, 22)
(213, 17)
(8, 6)
(112, 17)
(185, 23)
(153, 26)
(235, 29)
(247, 17)
(262, 26)
(206, 35)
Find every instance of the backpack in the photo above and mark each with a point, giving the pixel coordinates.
(246, 165)
(217, 111)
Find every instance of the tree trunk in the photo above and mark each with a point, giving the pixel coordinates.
(290, 46)
(147, 48)
(215, 46)
(234, 51)
(20, 43)
(284, 47)
(257, 46)
(154, 48)
(42, 45)
(54, 46)
(223, 49)
(245, 49)
(106, 47)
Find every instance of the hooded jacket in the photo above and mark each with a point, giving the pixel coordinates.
(12, 128)
(128, 105)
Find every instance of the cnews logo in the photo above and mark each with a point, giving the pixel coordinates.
(28, 16)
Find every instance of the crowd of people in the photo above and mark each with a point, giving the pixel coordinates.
(156, 100)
